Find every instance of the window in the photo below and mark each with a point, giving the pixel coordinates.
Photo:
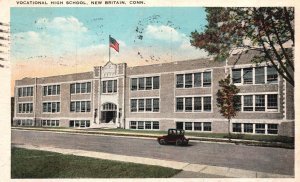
(207, 126)
(51, 107)
(260, 75)
(109, 86)
(25, 91)
(248, 128)
(272, 101)
(141, 104)
(248, 76)
(272, 128)
(80, 106)
(79, 123)
(148, 83)
(248, 103)
(133, 105)
(272, 75)
(72, 88)
(25, 122)
(236, 127)
(179, 104)
(259, 102)
(238, 102)
(156, 82)
(141, 125)
(197, 104)
(188, 126)
(207, 103)
(134, 84)
(133, 125)
(197, 79)
(155, 105)
(179, 81)
(236, 76)
(148, 104)
(77, 88)
(197, 126)
(155, 125)
(188, 80)
(83, 87)
(148, 125)
(25, 108)
(188, 104)
(206, 79)
(260, 128)
(52, 123)
(141, 83)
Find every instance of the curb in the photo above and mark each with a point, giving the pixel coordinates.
(154, 136)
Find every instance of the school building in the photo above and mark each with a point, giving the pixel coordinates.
(160, 96)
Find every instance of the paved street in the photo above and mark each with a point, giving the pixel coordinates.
(264, 159)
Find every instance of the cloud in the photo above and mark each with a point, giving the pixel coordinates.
(163, 32)
(66, 24)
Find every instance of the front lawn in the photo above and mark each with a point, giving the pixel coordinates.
(40, 164)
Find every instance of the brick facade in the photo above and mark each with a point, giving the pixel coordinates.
(109, 101)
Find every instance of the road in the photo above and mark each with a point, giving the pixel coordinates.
(262, 159)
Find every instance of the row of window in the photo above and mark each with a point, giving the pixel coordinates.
(109, 86)
(142, 105)
(193, 104)
(25, 108)
(50, 123)
(190, 80)
(144, 125)
(257, 128)
(79, 123)
(77, 88)
(80, 106)
(24, 122)
(194, 126)
(51, 107)
(25, 91)
(257, 75)
(268, 102)
(145, 83)
(51, 90)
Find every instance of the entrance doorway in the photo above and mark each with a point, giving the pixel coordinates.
(109, 113)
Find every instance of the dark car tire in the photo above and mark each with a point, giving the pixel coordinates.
(178, 142)
(162, 142)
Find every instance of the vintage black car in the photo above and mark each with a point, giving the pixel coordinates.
(175, 136)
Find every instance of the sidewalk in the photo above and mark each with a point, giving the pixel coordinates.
(154, 136)
(188, 169)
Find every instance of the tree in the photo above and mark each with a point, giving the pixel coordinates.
(228, 100)
(269, 30)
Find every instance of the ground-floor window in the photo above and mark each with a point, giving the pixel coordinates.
(50, 123)
(141, 125)
(255, 128)
(25, 122)
(79, 123)
(194, 126)
(236, 127)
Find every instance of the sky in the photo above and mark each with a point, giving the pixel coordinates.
(56, 41)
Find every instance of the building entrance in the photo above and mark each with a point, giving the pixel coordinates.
(109, 113)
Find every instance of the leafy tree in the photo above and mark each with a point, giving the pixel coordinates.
(269, 30)
(228, 100)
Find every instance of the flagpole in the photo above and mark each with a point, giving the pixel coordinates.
(109, 48)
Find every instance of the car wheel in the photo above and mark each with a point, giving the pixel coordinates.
(162, 142)
(178, 142)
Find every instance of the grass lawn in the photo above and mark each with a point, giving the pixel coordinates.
(40, 164)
